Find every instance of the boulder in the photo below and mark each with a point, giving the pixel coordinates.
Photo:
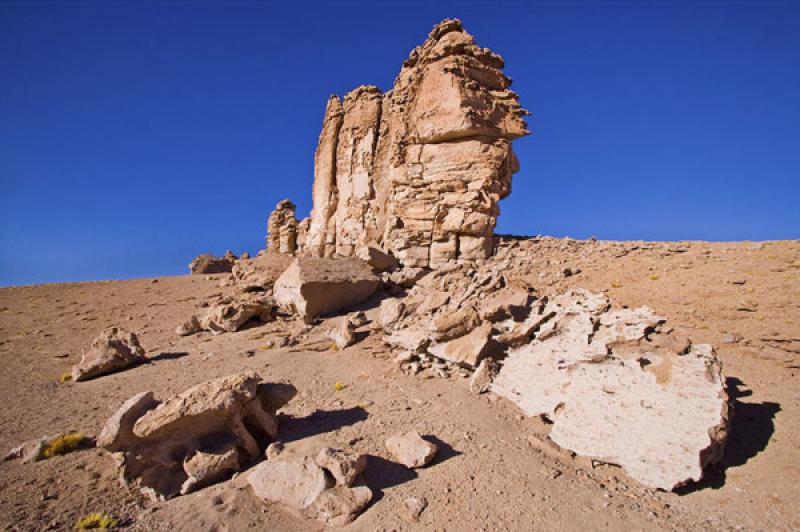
(411, 450)
(314, 287)
(210, 264)
(113, 350)
(303, 486)
(344, 466)
(377, 258)
(197, 437)
(117, 433)
(615, 393)
(231, 315)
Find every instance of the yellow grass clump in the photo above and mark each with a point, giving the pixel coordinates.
(96, 521)
(339, 386)
(63, 445)
(65, 377)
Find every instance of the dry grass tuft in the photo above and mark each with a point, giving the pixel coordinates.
(96, 521)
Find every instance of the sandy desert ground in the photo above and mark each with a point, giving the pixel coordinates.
(744, 298)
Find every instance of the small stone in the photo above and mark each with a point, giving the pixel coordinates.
(411, 450)
(413, 507)
(274, 450)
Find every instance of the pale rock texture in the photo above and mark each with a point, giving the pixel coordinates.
(314, 287)
(197, 437)
(303, 486)
(343, 465)
(411, 450)
(113, 350)
(211, 264)
(614, 392)
(282, 229)
(418, 170)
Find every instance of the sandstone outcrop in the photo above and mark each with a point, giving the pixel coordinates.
(313, 287)
(620, 391)
(419, 170)
(282, 229)
(113, 350)
(197, 437)
(212, 264)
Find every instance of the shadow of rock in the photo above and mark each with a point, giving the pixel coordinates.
(382, 473)
(752, 426)
(444, 451)
(168, 356)
(319, 422)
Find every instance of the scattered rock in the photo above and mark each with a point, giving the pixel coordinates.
(343, 334)
(390, 312)
(302, 486)
(204, 264)
(113, 350)
(232, 314)
(466, 350)
(731, 338)
(481, 379)
(413, 508)
(344, 466)
(411, 450)
(189, 327)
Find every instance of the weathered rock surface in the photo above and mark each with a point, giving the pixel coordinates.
(197, 437)
(419, 170)
(113, 350)
(343, 465)
(411, 450)
(282, 229)
(343, 334)
(117, 433)
(614, 392)
(314, 287)
(231, 315)
(211, 264)
(303, 486)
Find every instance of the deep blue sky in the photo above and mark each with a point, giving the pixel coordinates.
(134, 136)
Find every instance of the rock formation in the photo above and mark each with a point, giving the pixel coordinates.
(113, 350)
(419, 170)
(282, 229)
(618, 391)
(197, 437)
(212, 264)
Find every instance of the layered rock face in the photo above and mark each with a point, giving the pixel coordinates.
(419, 170)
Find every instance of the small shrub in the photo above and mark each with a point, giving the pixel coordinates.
(616, 284)
(339, 386)
(65, 377)
(63, 445)
(654, 277)
(95, 521)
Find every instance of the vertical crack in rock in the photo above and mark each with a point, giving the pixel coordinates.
(418, 170)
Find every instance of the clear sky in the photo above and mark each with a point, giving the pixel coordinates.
(136, 135)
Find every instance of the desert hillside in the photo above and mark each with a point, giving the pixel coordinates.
(491, 471)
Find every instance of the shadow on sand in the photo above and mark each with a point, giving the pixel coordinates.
(320, 421)
(751, 428)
